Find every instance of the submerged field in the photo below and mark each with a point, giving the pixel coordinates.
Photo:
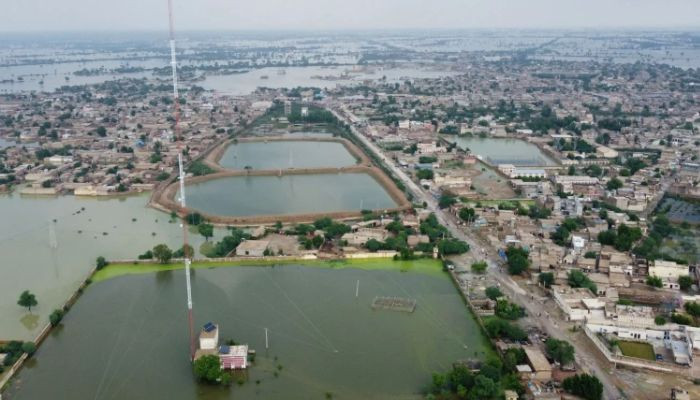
(286, 154)
(288, 194)
(127, 336)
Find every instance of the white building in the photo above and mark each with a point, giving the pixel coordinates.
(578, 242)
(209, 337)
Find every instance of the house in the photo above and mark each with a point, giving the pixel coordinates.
(541, 369)
(252, 248)
(414, 240)
(363, 235)
(578, 304)
(668, 271)
(233, 357)
(606, 152)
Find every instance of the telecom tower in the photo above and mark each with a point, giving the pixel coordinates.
(183, 204)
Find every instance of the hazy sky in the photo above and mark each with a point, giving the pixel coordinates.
(38, 15)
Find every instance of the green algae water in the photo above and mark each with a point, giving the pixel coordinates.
(127, 336)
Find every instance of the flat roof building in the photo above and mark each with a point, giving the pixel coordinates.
(252, 248)
(542, 369)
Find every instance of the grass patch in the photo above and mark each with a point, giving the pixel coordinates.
(422, 265)
(207, 248)
(644, 351)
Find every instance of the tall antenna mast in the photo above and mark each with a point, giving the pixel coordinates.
(186, 255)
(183, 204)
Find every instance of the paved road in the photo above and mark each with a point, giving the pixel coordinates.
(535, 309)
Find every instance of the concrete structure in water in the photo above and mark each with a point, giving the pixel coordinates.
(230, 357)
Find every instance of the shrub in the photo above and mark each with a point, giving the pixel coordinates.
(56, 317)
(479, 267)
(101, 263)
(29, 348)
(681, 319)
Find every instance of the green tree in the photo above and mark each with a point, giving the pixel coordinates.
(585, 386)
(56, 317)
(207, 369)
(194, 218)
(424, 174)
(29, 348)
(614, 184)
(681, 319)
(206, 230)
(100, 263)
(492, 292)
(162, 253)
(685, 282)
(546, 279)
(28, 300)
(578, 279)
(185, 251)
(467, 214)
(317, 241)
(452, 246)
(479, 267)
(447, 200)
(484, 388)
(507, 310)
(323, 223)
(373, 245)
(654, 281)
(336, 229)
(518, 260)
(560, 350)
(692, 308)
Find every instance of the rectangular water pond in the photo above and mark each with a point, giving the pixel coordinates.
(127, 337)
(286, 154)
(504, 151)
(288, 194)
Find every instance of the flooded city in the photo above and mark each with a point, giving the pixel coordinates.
(328, 200)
